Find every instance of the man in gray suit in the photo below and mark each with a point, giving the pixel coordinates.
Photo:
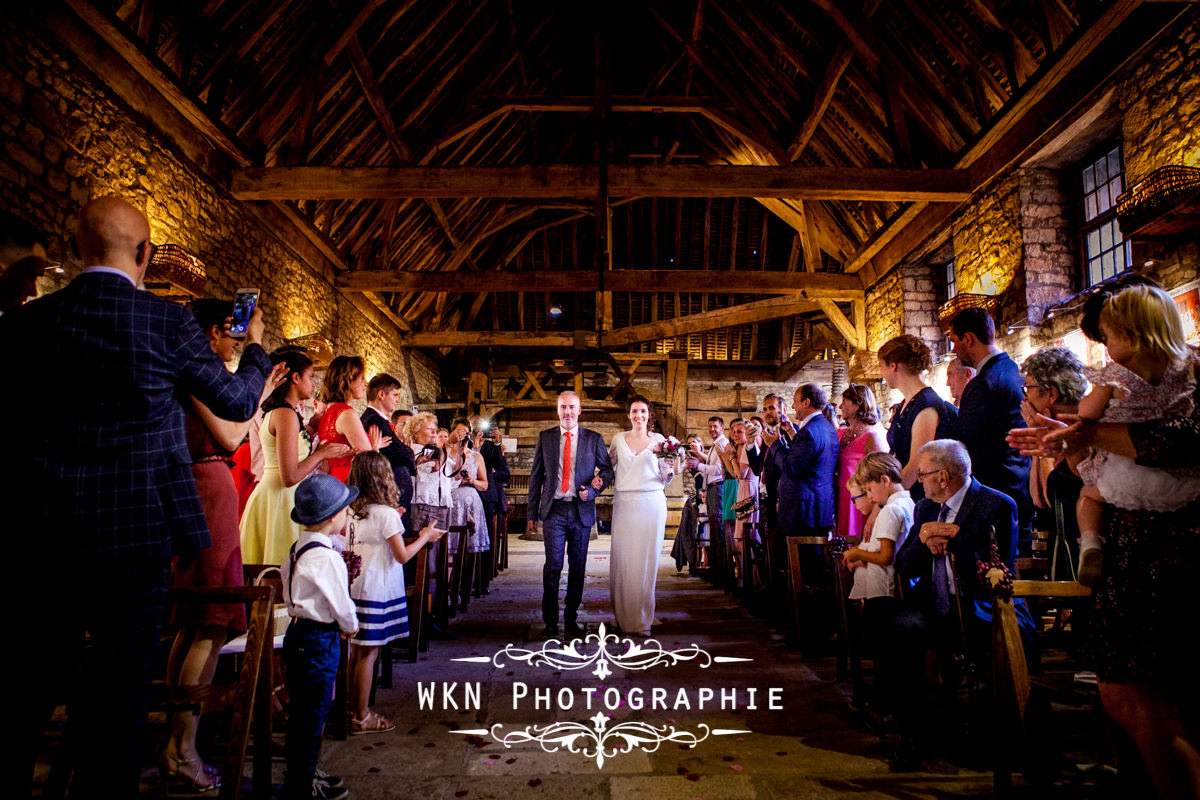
(562, 496)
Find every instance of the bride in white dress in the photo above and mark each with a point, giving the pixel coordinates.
(639, 519)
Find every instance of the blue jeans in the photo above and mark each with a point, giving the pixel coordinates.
(311, 651)
(562, 529)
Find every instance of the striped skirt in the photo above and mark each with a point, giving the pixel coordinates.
(379, 622)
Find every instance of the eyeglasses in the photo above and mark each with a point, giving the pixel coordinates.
(1025, 389)
(923, 475)
(854, 497)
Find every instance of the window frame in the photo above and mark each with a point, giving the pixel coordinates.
(1086, 227)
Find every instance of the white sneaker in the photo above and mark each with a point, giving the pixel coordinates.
(1091, 565)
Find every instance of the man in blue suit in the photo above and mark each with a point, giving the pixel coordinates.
(990, 406)
(953, 529)
(809, 463)
(101, 486)
(563, 497)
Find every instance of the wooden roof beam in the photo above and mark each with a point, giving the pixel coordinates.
(729, 317)
(813, 285)
(562, 180)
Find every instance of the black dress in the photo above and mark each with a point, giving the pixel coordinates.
(1144, 617)
(899, 435)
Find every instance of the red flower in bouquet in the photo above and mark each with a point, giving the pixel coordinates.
(670, 448)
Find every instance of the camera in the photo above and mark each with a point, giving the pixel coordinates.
(466, 476)
(429, 450)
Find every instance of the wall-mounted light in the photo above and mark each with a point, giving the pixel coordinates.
(555, 310)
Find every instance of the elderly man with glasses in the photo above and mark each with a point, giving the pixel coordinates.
(953, 529)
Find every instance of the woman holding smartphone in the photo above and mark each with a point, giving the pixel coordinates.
(267, 529)
(466, 464)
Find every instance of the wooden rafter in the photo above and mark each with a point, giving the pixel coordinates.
(325, 183)
(825, 285)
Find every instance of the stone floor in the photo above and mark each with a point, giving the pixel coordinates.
(808, 749)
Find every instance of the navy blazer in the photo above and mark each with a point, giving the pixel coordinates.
(772, 471)
(983, 509)
(989, 408)
(498, 474)
(398, 454)
(806, 488)
(591, 456)
(105, 471)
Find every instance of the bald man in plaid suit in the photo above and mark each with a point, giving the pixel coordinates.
(102, 488)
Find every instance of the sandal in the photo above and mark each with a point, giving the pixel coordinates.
(371, 723)
(187, 778)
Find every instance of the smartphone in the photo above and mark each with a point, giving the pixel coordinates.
(243, 308)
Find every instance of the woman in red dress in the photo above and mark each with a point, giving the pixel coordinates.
(345, 380)
(204, 629)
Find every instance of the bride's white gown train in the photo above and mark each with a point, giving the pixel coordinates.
(638, 527)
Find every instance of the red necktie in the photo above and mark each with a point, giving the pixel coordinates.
(566, 465)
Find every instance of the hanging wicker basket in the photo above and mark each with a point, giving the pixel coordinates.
(179, 269)
(317, 347)
(961, 302)
(1147, 208)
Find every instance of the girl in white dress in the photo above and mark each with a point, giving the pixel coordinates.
(378, 591)
(639, 518)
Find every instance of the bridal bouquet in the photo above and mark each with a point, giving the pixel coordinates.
(670, 448)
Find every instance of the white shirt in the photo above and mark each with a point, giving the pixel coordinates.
(893, 522)
(320, 588)
(713, 471)
(573, 485)
(111, 271)
(984, 360)
(807, 420)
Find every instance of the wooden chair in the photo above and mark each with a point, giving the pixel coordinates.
(415, 597)
(249, 696)
(445, 587)
(1012, 685)
(796, 579)
(456, 561)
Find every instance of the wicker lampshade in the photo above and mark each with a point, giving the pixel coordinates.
(173, 265)
(317, 347)
(961, 302)
(1147, 207)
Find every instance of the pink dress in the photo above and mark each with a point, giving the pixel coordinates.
(850, 452)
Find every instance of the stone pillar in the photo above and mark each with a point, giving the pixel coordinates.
(1047, 232)
(920, 306)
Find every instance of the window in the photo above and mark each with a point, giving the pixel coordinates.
(1105, 251)
(951, 281)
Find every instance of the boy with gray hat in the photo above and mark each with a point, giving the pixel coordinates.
(316, 588)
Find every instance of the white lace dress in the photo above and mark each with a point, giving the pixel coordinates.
(468, 508)
(638, 528)
(1123, 482)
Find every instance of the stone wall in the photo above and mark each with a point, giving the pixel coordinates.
(1160, 103)
(1050, 258)
(69, 139)
(987, 243)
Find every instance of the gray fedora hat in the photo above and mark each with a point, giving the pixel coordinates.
(319, 497)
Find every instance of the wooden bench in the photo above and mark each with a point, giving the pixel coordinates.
(1012, 685)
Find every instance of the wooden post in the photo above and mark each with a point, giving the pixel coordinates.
(677, 395)
(477, 387)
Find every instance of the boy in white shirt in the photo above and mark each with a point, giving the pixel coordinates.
(878, 476)
(316, 588)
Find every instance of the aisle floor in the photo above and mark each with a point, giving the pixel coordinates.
(806, 750)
